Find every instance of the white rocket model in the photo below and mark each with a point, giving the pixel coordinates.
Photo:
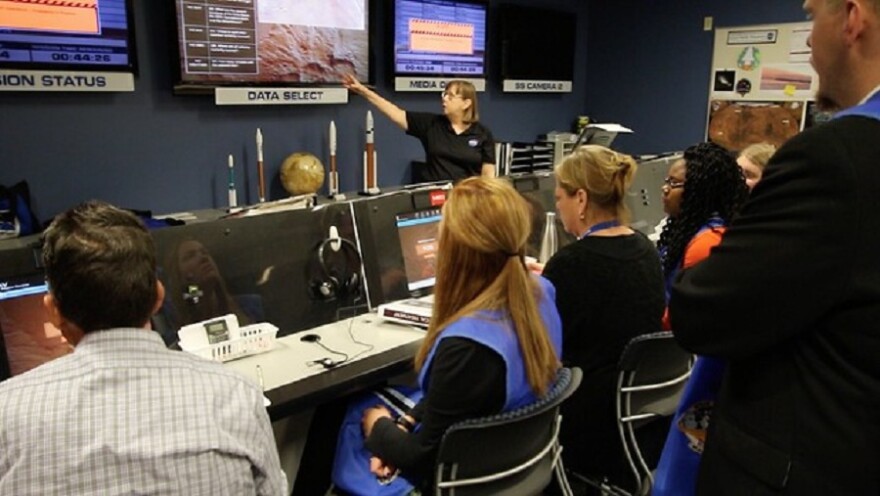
(333, 183)
(371, 160)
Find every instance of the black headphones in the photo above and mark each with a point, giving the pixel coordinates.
(335, 273)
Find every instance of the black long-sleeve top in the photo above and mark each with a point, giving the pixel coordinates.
(467, 380)
(608, 290)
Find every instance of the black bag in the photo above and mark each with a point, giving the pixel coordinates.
(16, 215)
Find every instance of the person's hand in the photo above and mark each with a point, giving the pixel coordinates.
(371, 415)
(381, 469)
(352, 84)
(533, 266)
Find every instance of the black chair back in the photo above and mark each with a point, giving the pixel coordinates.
(512, 453)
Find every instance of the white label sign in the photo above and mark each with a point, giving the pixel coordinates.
(752, 37)
(534, 86)
(433, 84)
(16, 80)
(279, 96)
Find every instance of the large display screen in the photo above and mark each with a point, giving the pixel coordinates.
(225, 42)
(440, 37)
(537, 43)
(67, 35)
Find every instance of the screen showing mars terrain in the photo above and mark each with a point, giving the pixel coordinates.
(272, 41)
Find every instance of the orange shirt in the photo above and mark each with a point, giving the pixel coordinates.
(697, 250)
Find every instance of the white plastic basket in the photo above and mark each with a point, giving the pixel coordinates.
(255, 338)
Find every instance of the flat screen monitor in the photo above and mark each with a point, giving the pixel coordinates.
(252, 42)
(440, 38)
(77, 35)
(418, 233)
(28, 339)
(537, 43)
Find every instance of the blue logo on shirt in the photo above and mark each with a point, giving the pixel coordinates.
(473, 142)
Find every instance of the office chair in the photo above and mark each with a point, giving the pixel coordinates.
(652, 373)
(513, 453)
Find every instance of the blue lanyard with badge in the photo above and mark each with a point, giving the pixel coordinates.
(601, 226)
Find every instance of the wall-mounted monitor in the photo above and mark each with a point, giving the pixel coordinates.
(272, 42)
(444, 38)
(82, 35)
(536, 43)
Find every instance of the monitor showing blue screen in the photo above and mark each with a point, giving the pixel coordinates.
(80, 35)
(440, 37)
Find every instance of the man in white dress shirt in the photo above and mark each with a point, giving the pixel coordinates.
(122, 414)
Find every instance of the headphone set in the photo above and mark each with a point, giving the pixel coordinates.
(335, 270)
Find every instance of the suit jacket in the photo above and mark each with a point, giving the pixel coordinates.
(791, 298)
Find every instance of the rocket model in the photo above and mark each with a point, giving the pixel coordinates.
(260, 177)
(370, 159)
(233, 196)
(333, 185)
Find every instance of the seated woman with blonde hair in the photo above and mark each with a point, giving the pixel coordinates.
(609, 289)
(495, 338)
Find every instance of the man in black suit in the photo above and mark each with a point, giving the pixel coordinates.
(791, 297)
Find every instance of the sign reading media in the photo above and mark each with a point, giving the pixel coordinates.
(279, 96)
(533, 86)
(430, 84)
(20, 80)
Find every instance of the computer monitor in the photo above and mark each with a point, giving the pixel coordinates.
(28, 339)
(418, 233)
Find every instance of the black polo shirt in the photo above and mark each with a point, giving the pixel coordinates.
(450, 156)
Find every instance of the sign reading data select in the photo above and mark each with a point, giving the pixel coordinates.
(279, 96)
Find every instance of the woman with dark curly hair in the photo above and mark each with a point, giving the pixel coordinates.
(701, 194)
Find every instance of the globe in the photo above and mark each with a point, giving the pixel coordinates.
(302, 174)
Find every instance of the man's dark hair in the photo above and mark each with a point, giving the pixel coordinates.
(101, 267)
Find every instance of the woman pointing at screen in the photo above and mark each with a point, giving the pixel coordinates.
(456, 144)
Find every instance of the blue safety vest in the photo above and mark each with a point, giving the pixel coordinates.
(494, 330)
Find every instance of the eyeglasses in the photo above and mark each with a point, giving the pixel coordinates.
(672, 183)
(447, 95)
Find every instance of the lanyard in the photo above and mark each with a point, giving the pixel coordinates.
(871, 109)
(608, 224)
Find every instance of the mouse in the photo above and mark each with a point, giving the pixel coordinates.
(310, 338)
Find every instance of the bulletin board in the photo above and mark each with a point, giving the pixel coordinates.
(761, 86)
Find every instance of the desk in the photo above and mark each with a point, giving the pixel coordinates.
(294, 386)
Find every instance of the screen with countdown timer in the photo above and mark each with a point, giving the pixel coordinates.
(67, 35)
(440, 38)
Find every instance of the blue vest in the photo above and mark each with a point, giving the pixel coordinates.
(494, 330)
(871, 109)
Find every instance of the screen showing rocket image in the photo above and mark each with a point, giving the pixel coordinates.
(272, 41)
(440, 37)
(418, 232)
